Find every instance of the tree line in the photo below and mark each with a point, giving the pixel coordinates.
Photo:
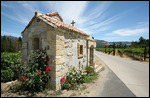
(141, 43)
(9, 45)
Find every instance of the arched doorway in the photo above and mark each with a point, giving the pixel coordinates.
(92, 55)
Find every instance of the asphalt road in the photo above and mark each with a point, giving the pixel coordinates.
(130, 78)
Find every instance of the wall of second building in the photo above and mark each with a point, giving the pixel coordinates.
(72, 40)
(91, 44)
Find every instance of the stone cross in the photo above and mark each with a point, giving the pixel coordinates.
(73, 22)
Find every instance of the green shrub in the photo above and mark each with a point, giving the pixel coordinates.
(7, 75)
(35, 76)
(7, 59)
(17, 68)
(11, 61)
(75, 77)
(72, 78)
(90, 70)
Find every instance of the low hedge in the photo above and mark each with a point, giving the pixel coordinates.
(7, 75)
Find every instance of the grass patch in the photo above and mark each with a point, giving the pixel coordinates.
(45, 92)
(87, 92)
(83, 88)
(72, 95)
(102, 69)
(90, 79)
(79, 93)
(57, 93)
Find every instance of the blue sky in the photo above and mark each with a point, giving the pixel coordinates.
(103, 20)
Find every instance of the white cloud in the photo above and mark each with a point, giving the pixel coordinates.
(21, 13)
(20, 19)
(69, 10)
(11, 34)
(91, 21)
(143, 24)
(4, 4)
(98, 10)
(130, 32)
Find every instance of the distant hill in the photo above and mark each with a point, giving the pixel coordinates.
(11, 44)
(102, 43)
(11, 37)
(117, 43)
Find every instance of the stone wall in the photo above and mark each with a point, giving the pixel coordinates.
(71, 50)
(57, 60)
(35, 30)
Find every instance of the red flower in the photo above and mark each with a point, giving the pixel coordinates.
(87, 71)
(62, 79)
(71, 85)
(65, 79)
(47, 69)
(24, 79)
(44, 78)
(91, 71)
(47, 59)
(70, 81)
(19, 78)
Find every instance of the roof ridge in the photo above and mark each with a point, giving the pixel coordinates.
(62, 24)
(54, 13)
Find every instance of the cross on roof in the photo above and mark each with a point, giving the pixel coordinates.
(73, 22)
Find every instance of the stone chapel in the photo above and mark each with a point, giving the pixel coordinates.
(65, 45)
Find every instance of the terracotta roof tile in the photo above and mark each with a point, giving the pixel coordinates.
(54, 13)
(60, 23)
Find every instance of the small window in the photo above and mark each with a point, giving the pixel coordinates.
(36, 43)
(38, 20)
(80, 50)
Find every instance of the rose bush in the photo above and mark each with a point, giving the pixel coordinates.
(35, 75)
(75, 77)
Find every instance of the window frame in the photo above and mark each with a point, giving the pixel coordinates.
(80, 50)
